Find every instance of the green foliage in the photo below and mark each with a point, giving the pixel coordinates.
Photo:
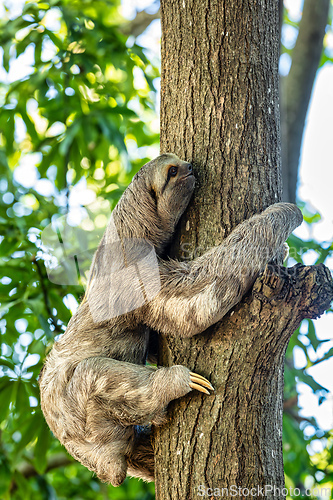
(72, 119)
(298, 431)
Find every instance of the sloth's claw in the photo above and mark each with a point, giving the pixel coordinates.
(200, 383)
(199, 388)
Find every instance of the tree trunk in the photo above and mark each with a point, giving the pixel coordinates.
(220, 110)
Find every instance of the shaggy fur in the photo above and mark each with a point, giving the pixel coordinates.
(97, 393)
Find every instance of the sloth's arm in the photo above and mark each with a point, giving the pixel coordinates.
(195, 295)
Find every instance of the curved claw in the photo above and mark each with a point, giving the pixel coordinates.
(199, 388)
(201, 380)
(200, 383)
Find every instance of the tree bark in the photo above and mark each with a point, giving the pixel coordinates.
(220, 110)
(296, 89)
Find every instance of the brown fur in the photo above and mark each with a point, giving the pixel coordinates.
(97, 393)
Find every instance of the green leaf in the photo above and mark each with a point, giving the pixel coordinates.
(41, 447)
(72, 131)
(22, 398)
(309, 380)
(6, 56)
(24, 488)
(8, 246)
(6, 394)
(28, 123)
(45, 326)
(63, 313)
(5, 477)
(312, 335)
(9, 305)
(30, 430)
(325, 357)
(7, 362)
(54, 38)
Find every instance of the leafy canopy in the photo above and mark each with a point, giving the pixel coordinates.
(67, 129)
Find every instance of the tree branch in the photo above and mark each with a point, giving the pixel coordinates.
(297, 88)
(290, 403)
(141, 21)
(28, 470)
(46, 297)
(306, 290)
(58, 460)
(298, 418)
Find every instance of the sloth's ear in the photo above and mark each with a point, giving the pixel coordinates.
(152, 188)
(153, 194)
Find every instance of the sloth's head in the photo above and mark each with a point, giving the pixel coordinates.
(171, 185)
(153, 203)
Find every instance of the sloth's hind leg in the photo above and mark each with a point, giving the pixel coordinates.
(105, 457)
(106, 398)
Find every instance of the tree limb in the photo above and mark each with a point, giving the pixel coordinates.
(141, 21)
(297, 88)
(290, 403)
(28, 470)
(58, 460)
(57, 327)
(298, 418)
(307, 290)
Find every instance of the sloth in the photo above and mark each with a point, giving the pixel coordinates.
(98, 394)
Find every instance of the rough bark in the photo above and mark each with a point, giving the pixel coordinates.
(220, 110)
(296, 89)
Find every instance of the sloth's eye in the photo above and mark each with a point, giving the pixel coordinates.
(173, 171)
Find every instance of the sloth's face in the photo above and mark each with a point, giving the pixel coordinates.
(173, 185)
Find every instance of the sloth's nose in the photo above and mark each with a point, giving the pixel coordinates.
(189, 167)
